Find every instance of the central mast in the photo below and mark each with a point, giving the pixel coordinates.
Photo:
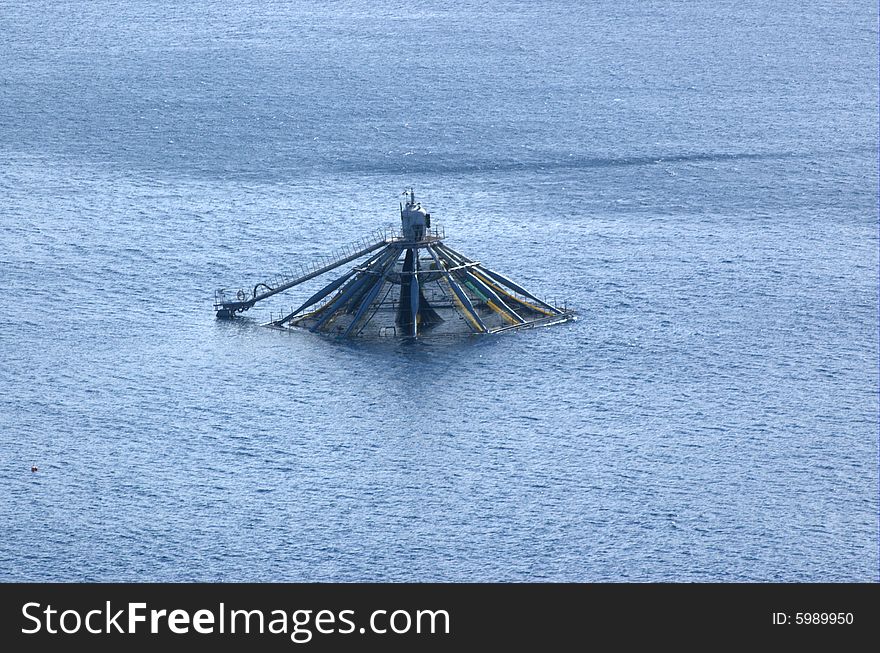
(414, 220)
(413, 310)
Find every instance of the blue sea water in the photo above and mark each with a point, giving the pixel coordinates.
(698, 179)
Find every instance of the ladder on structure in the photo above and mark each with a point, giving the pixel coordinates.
(243, 300)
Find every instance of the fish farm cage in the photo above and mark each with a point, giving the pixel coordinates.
(406, 284)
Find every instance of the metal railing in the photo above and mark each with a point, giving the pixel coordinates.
(386, 235)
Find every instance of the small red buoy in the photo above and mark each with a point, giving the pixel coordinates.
(34, 468)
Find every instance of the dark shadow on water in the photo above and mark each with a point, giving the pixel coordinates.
(422, 349)
(415, 349)
(228, 167)
(238, 324)
(567, 163)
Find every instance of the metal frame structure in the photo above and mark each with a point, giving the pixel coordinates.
(409, 284)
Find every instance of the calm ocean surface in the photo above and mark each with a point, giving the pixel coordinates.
(700, 180)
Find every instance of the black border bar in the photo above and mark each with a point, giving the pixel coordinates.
(524, 616)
